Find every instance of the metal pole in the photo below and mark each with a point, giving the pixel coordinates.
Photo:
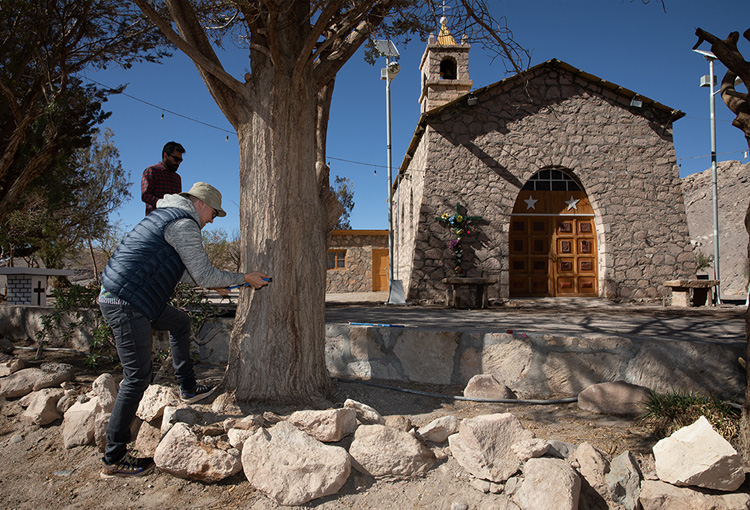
(390, 171)
(714, 182)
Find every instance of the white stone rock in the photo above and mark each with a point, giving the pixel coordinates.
(624, 480)
(147, 437)
(548, 484)
(20, 383)
(530, 448)
(181, 454)
(54, 374)
(292, 467)
(486, 386)
(250, 422)
(41, 406)
(79, 423)
(482, 445)
(154, 400)
(11, 366)
(438, 430)
(67, 400)
(658, 495)
(619, 398)
(365, 414)
(592, 466)
(399, 421)
(101, 422)
(182, 414)
(697, 455)
(105, 389)
(237, 437)
(560, 449)
(382, 451)
(328, 425)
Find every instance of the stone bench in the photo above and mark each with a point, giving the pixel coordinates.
(27, 286)
(479, 285)
(689, 292)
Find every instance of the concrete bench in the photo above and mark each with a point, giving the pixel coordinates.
(689, 292)
(27, 286)
(479, 285)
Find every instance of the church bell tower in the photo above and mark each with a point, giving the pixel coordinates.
(444, 69)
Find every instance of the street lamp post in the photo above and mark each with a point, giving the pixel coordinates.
(388, 50)
(709, 81)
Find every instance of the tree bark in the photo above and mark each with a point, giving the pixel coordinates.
(728, 54)
(745, 421)
(277, 347)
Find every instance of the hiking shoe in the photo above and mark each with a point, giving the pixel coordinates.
(128, 466)
(200, 392)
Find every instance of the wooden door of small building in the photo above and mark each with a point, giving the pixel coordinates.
(552, 239)
(379, 269)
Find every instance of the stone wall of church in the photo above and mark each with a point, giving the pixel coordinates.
(482, 155)
(406, 211)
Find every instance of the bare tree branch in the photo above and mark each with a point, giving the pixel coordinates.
(202, 53)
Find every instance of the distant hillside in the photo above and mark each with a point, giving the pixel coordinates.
(733, 185)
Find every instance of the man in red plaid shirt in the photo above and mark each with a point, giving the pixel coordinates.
(162, 178)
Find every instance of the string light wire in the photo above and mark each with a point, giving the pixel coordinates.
(163, 110)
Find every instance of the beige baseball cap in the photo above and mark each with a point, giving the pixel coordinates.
(208, 195)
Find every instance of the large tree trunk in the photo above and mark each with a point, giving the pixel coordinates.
(745, 423)
(277, 348)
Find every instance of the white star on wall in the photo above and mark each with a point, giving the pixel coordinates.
(572, 203)
(530, 203)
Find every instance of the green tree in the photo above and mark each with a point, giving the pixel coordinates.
(279, 109)
(46, 109)
(70, 205)
(222, 251)
(343, 188)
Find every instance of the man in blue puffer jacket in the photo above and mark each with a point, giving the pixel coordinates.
(166, 247)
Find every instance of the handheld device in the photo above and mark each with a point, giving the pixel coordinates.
(269, 279)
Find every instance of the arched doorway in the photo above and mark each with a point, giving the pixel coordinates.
(552, 239)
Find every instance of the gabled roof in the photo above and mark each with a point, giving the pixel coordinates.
(553, 63)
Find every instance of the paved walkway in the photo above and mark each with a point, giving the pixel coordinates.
(559, 316)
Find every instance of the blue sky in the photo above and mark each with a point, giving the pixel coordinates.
(628, 43)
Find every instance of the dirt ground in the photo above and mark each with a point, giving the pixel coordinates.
(37, 472)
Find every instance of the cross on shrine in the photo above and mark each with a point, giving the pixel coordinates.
(39, 291)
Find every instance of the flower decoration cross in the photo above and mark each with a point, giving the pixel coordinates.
(460, 226)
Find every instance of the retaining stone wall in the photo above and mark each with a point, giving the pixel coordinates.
(533, 366)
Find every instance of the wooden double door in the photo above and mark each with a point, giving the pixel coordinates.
(553, 255)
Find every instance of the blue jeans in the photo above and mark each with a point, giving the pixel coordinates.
(132, 332)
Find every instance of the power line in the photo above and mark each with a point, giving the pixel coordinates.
(211, 125)
(329, 157)
(708, 155)
(166, 110)
(357, 162)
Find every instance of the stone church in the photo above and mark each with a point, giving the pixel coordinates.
(552, 182)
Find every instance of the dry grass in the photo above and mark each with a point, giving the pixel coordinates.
(669, 413)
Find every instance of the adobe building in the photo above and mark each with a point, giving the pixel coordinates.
(572, 182)
(357, 261)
